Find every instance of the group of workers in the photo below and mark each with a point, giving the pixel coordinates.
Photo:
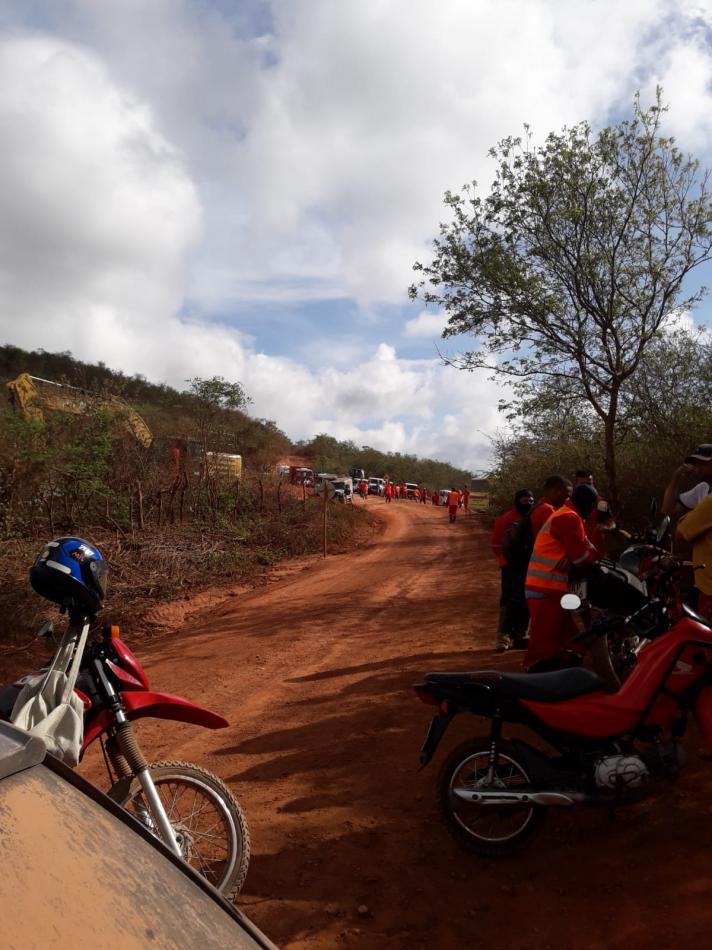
(562, 534)
(394, 490)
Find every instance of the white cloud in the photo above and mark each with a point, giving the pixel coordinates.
(426, 324)
(96, 210)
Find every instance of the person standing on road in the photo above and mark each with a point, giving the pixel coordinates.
(513, 614)
(435, 497)
(600, 521)
(363, 488)
(466, 499)
(561, 544)
(556, 491)
(696, 527)
(388, 493)
(453, 503)
(699, 464)
(424, 495)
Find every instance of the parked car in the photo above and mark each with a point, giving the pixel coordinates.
(81, 871)
(443, 493)
(410, 489)
(319, 480)
(343, 490)
(376, 486)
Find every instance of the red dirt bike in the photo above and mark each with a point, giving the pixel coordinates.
(188, 807)
(494, 793)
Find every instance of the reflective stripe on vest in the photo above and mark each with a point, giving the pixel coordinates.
(545, 572)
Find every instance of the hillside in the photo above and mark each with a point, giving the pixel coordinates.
(169, 522)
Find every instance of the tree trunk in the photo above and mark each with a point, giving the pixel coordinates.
(610, 450)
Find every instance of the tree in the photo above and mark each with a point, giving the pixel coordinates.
(573, 264)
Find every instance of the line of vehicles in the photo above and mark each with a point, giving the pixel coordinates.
(343, 487)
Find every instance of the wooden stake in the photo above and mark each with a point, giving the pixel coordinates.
(323, 488)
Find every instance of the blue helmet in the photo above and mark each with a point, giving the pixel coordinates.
(72, 573)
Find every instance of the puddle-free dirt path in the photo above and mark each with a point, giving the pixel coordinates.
(314, 673)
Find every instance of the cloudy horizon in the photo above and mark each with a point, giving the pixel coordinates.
(202, 187)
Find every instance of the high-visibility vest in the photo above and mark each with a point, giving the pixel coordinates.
(545, 572)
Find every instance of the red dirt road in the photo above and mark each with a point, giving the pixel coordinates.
(315, 673)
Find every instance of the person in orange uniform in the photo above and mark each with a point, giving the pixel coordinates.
(513, 616)
(363, 488)
(435, 497)
(557, 490)
(453, 501)
(424, 495)
(560, 545)
(466, 499)
(388, 493)
(600, 521)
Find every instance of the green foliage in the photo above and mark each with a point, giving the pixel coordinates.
(567, 272)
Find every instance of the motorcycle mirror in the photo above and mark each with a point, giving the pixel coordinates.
(46, 630)
(662, 529)
(570, 602)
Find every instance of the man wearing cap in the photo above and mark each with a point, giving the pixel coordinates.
(699, 463)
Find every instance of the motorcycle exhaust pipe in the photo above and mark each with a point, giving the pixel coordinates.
(498, 798)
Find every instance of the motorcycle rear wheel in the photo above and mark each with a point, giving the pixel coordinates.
(487, 830)
(207, 819)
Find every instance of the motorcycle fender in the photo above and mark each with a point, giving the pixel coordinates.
(436, 730)
(703, 715)
(155, 706)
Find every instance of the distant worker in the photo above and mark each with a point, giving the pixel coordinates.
(557, 490)
(453, 502)
(388, 493)
(513, 613)
(562, 544)
(466, 499)
(435, 497)
(424, 495)
(416, 494)
(363, 488)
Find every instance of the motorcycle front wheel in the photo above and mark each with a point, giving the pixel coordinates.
(206, 818)
(492, 831)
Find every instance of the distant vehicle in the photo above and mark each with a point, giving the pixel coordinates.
(283, 470)
(63, 838)
(357, 474)
(376, 486)
(319, 480)
(443, 493)
(410, 489)
(343, 490)
(298, 475)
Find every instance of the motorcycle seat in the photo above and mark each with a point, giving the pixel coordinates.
(546, 687)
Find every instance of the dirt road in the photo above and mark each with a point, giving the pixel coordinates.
(314, 673)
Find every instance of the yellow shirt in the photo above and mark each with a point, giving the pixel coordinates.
(696, 526)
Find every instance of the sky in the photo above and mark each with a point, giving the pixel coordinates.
(241, 187)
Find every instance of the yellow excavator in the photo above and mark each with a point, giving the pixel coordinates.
(33, 395)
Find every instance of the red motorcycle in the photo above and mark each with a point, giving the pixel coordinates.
(494, 792)
(187, 806)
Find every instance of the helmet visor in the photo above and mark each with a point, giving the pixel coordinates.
(99, 574)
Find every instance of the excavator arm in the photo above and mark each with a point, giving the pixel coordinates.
(32, 396)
